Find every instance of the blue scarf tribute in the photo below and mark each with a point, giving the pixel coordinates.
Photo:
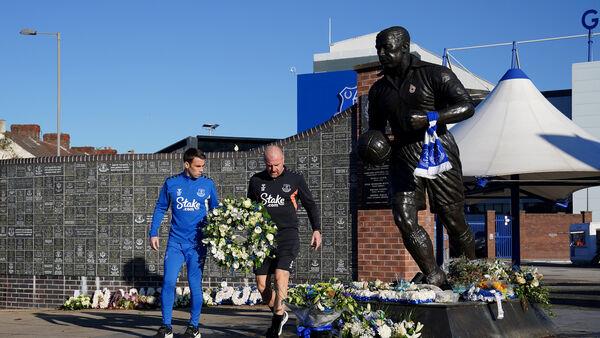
(433, 160)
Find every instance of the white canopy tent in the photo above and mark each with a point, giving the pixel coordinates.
(516, 131)
(519, 140)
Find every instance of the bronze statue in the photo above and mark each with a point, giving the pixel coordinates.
(409, 89)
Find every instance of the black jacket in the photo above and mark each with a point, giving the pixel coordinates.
(280, 195)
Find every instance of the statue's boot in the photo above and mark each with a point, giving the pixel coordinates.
(465, 243)
(460, 233)
(419, 245)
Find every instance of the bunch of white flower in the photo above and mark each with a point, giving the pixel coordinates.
(241, 295)
(223, 228)
(255, 297)
(207, 298)
(407, 329)
(77, 303)
(182, 297)
(224, 293)
(375, 324)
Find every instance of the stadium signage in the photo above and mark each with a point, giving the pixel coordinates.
(593, 22)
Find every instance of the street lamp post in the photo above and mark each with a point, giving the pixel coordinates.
(27, 31)
(210, 127)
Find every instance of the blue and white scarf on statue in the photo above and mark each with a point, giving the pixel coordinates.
(433, 160)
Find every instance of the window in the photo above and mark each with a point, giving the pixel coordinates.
(578, 239)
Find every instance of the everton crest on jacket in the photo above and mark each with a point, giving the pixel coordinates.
(280, 196)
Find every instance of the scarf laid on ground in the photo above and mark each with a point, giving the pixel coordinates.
(433, 160)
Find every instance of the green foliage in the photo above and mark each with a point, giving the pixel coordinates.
(465, 272)
(324, 296)
(527, 284)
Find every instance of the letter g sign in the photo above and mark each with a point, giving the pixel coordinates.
(594, 21)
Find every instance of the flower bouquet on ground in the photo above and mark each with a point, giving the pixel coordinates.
(207, 298)
(464, 273)
(240, 234)
(241, 295)
(527, 284)
(490, 291)
(375, 324)
(317, 306)
(182, 297)
(101, 299)
(401, 292)
(77, 303)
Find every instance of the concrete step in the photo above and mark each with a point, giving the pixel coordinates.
(575, 290)
(582, 300)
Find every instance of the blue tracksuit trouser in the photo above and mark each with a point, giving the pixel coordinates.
(193, 255)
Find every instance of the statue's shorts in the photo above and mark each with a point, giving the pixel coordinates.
(445, 193)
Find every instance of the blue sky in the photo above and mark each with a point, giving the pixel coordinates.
(143, 74)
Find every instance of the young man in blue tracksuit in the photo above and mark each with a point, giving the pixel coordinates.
(190, 196)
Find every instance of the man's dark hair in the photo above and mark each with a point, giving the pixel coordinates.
(189, 155)
(398, 32)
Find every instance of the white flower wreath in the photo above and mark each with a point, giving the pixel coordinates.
(240, 234)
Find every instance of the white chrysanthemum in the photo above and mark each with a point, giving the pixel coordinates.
(399, 329)
(247, 203)
(384, 331)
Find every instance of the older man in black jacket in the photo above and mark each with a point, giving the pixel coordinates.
(408, 90)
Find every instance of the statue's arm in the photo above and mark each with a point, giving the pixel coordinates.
(454, 101)
(459, 105)
(377, 119)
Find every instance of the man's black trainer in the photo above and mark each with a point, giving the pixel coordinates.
(192, 332)
(164, 332)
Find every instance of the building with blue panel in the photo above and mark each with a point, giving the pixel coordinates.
(322, 95)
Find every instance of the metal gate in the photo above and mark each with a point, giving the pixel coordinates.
(503, 236)
(477, 224)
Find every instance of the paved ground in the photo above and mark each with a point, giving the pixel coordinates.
(576, 290)
(222, 321)
(575, 295)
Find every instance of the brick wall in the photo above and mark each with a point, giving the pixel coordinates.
(546, 236)
(30, 130)
(367, 75)
(65, 139)
(490, 233)
(40, 291)
(381, 253)
(25, 291)
(543, 236)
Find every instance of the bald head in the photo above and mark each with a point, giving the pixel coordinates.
(398, 33)
(274, 160)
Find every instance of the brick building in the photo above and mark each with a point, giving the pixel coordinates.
(26, 141)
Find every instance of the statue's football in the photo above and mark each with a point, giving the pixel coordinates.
(373, 147)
